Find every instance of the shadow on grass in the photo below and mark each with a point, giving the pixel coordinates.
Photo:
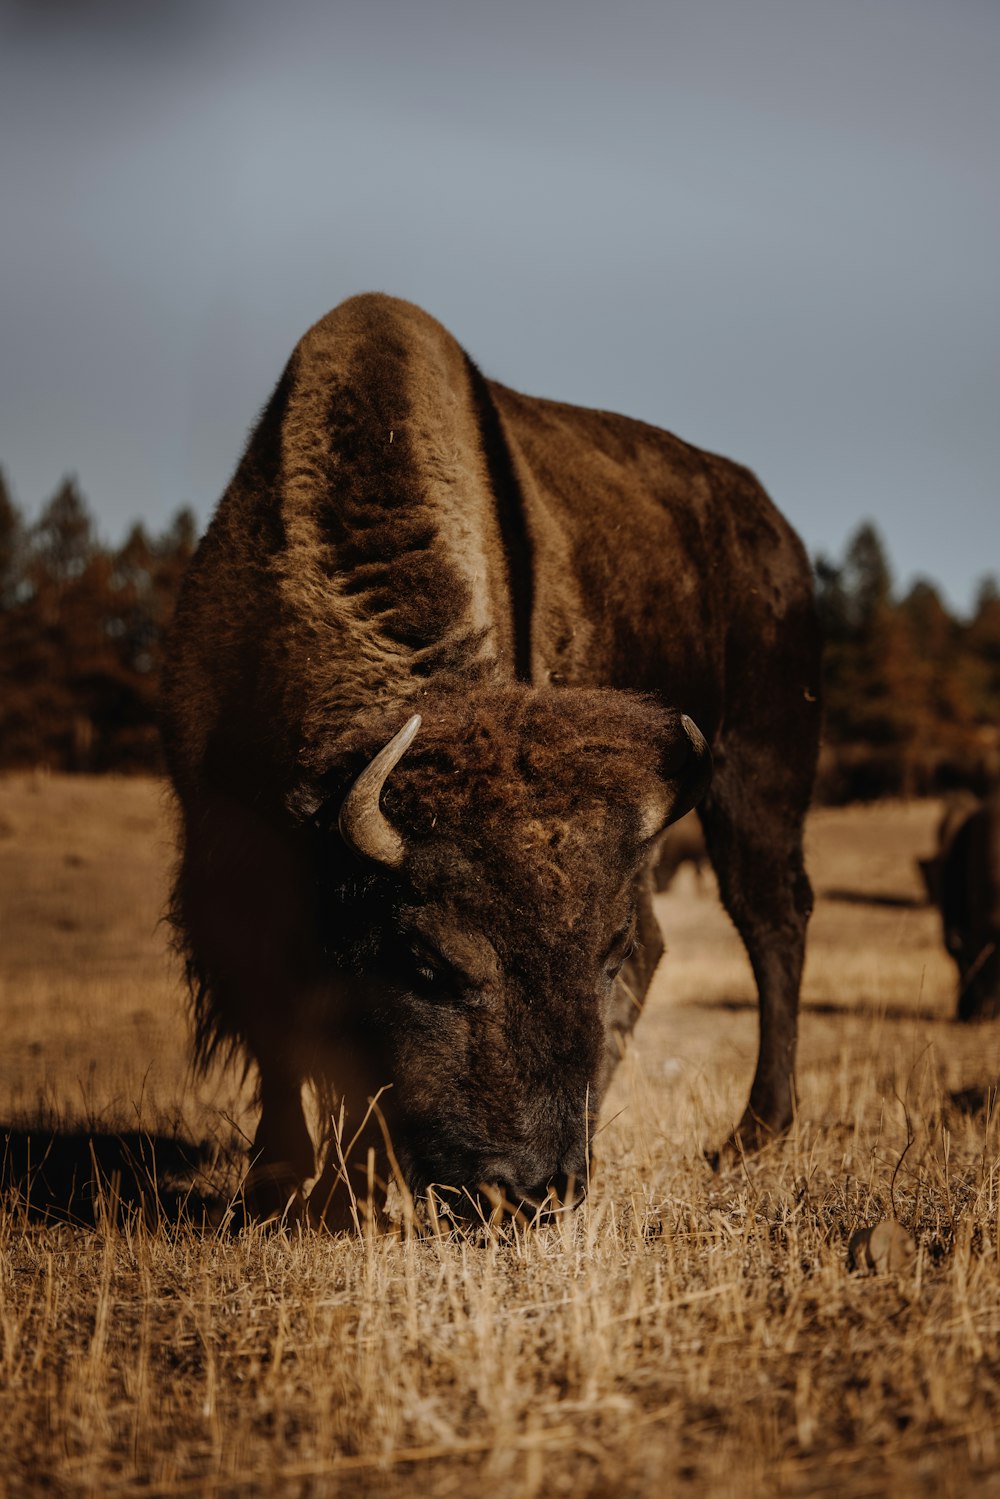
(839, 1012)
(88, 1177)
(980, 1098)
(873, 898)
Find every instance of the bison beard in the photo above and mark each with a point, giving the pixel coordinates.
(453, 913)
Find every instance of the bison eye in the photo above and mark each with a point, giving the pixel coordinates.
(615, 967)
(426, 973)
(620, 950)
(420, 968)
(432, 974)
(429, 967)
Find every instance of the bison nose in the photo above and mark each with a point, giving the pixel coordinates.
(565, 1190)
(539, 1204)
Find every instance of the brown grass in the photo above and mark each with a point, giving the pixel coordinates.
(682, 1333)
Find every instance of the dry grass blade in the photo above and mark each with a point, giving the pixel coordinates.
(680, 1332)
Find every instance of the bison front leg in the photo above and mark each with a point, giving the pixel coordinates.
(979, 984)
(282, 1156)
(356, 1097)
(350, 1192)
(753, 819)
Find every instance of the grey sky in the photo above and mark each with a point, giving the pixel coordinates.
(772, 227)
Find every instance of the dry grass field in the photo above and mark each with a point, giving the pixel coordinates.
(683, 1333)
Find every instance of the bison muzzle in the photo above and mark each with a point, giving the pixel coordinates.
(446, 663)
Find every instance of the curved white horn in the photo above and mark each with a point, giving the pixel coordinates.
(363, 825)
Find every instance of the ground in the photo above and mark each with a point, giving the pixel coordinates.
(683, 1332)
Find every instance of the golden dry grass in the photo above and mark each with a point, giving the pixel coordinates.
(683, 1332)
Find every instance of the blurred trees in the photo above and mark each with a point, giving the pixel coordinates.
(81, 630)
(911, 694)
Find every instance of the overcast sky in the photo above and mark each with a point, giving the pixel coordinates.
(771, 226)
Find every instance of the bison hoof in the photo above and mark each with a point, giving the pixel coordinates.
(974, 1008)
(273, 1195)
(752, 1135)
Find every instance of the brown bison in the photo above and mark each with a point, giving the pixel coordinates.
(431, 698)
(963, 881)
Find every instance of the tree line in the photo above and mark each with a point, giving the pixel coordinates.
(81, 636)
(911, 693)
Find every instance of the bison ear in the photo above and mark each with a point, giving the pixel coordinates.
(304, 800)
(685, 771)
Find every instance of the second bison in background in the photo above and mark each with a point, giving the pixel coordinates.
(431, 696)
(963, 881)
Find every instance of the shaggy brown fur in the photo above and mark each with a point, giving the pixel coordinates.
(548, 587)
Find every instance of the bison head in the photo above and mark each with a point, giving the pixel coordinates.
(483, 890)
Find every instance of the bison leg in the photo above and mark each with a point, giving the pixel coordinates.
(283, 1158)
(979, 985)
(282, 1155)
(753, 819)
(351, 1189)
(357, 1102)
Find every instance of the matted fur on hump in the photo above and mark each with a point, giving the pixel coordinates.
(392, 569)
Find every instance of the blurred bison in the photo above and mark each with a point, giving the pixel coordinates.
(963, 881)
(425, 713)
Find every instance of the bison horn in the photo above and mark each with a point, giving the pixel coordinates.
(699, 770)
(363, 825)
(686, 786)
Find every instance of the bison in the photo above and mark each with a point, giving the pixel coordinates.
(963, 880)
(446, 662)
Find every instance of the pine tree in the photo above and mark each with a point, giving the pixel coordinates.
(62, 538)
(868, 654)
(983, 653)
(11, 546)
(64, 658)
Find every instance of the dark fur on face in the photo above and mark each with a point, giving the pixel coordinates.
(496, 948)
